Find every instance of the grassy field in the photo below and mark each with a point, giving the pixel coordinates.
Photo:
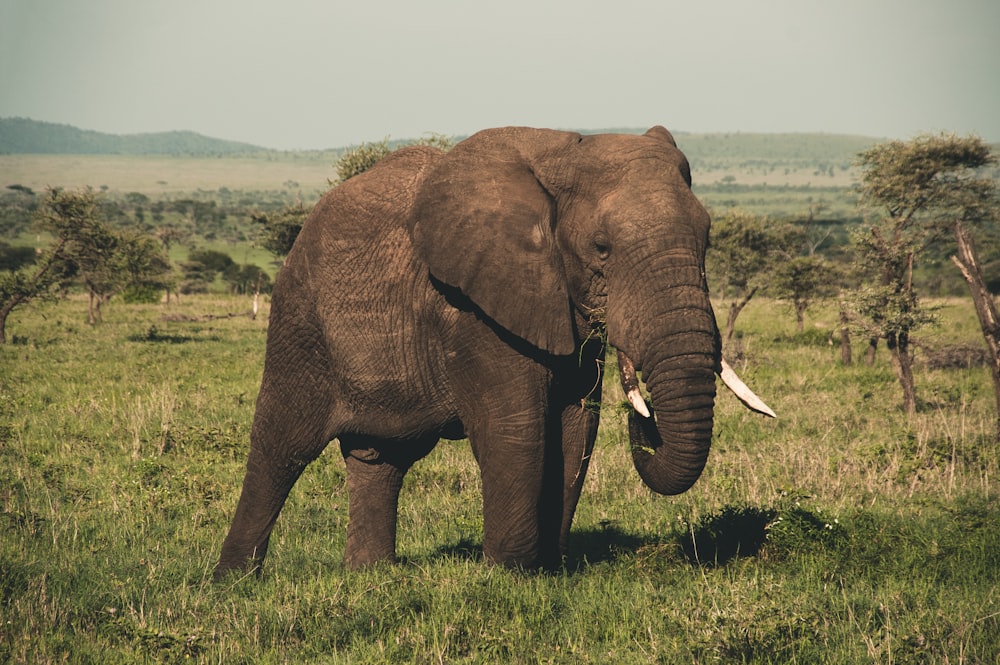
(155, 175)
(842, 532)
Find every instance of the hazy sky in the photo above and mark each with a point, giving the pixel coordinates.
(303, 74)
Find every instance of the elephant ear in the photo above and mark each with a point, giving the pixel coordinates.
(661, 134)
(483, 223)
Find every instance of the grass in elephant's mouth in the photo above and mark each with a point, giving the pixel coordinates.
(841, 532)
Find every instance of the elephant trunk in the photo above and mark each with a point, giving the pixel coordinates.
(670, 446)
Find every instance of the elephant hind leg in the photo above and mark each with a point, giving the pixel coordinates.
(265, 489)
(290, 429)
(375, 472)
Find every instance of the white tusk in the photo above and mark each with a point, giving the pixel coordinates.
(630, 384)
(741, 391)
(638, 403)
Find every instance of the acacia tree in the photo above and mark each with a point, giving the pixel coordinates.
(69, 216)
(887, 304)
(743, 251)
(929, 188)
(88, 244)
(104, 259)
(21, 286)
(803, 279)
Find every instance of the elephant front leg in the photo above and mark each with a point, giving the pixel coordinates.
(374, 479)
(531, 487)
(512, 473)
(570, 443)
(579, 431)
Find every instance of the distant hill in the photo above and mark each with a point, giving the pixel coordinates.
(20, 136)
(25, 136)
(749, 148)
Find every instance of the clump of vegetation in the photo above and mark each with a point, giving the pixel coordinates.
(956, 356)
(204, 266)
(359, 159)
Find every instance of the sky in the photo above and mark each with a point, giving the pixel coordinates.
(302, 74)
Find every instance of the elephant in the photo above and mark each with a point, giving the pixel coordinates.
(473, 294)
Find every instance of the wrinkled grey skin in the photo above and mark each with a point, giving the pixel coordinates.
(445, 295)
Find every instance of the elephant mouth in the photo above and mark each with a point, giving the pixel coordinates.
(630, 385)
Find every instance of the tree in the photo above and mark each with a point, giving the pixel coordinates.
(202, 267)
(246, 279)
(968, 264)
(28, 282)
(104, 259)
(146, 268)
(813, 237)
(887, 304)
(90, 245)
(743, 249)
(928, 188)
(84, 247)
(281, 228)
(803, 279)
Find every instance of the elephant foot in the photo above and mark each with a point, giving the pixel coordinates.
(227, 566)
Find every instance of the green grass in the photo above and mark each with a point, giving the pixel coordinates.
(841, 532)
(784, 202)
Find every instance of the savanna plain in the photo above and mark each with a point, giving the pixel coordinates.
(844, 531)
(841, 532)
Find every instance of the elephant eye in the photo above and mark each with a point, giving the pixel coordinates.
(602, 245)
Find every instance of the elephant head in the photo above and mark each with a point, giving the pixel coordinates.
(552, 233)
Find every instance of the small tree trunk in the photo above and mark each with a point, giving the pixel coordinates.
(734, 311)
(845, 334)
(968, 263)
(902, 362)
(5, 311)
(800, 315)
(872, 348)
(94, 315)
(91, 319)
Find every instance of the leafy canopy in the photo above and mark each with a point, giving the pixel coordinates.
(932, 178)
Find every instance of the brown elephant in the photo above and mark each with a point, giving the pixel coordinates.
(469, 294)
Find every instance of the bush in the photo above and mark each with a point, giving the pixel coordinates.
(957, 356)
(142, 293)
(14, 258)
(358, 160)
(211, 259)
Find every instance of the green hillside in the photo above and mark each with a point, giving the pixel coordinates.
(19, 136)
